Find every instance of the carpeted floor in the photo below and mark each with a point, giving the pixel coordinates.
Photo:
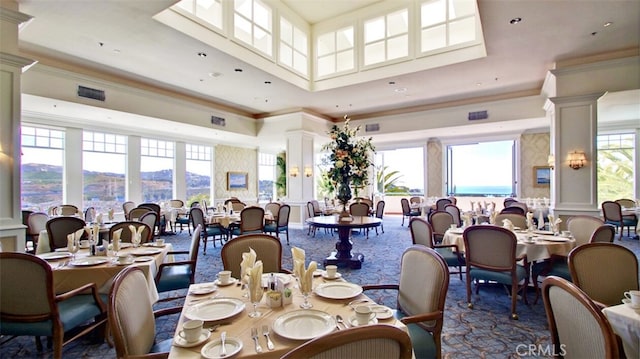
(483, 332)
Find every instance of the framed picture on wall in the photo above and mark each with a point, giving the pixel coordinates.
(237, 181)
(541, 176)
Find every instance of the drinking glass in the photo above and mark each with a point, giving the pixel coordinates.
(74, 248)
(255, 296)
(305, 289)
(135, 240)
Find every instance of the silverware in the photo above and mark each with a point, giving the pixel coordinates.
(265, 332)
(223, 348)
(341, 321)
(254, 335)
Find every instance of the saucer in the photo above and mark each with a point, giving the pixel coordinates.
(203, 289)
(143, 259)
(382, 311)
(180, 342)
(318, 272)
(125, 263)
(325, 276)
(354, 322)
(628, 302)
(232, 281)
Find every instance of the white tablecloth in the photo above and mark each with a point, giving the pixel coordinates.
(626, 324)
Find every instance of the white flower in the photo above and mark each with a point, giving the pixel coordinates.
(339, 164)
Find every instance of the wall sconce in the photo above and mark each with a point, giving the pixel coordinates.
(577, 159)
(308, 172)
(294, 171)
(551, 161)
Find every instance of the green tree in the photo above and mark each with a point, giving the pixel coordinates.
(615, 174)
(281, 175)
(325, 185)
(386, 181)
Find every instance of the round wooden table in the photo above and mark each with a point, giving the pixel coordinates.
(343, 257)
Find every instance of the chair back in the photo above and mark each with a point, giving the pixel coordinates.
(36, 222)
(136, 213)
(603, 234)
(195, 246)
(371, 341)
(518, 220)
(268, 249)
(197, 217)
(490, 247)
(626, 203)
(455, 213)
(274, 208)
(27, 289)
(126, 235)
(364, 200)
(317, 211)
(310, 212)
(604, 271)
(359, 209)
(421, 232)
(25, 216)
(68, 210)
(150, 219)
(582, 227)
(156, 208)
(440, 221)
(127, 207)
(176, 203)
(406, 207)
(380, 209)
(252, 220)
(423, 285)
(415, 199)
(507, 201)
(283, 215)
(520, 205)
(578, 327)
(238, 206)
(440, 203)
(513, 209)
(90, 214)
(130, 311)
(612, 211)
(59, 227)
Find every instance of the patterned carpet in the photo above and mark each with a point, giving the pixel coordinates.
(483, 332)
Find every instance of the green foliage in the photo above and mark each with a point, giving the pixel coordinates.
(198, 198)
(615, 174)
(281, 174)
(386, 181)
(325, 185)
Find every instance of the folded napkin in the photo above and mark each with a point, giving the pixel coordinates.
(493, 206)
(467, 220)
(306, 280)
(554, 223)
(298, 256)
(99, 218)
(529, 220)
(472, 205)
(248, 261)
(115, 241)
(540, 220)
(492, 218)
(506, 223)
(255, 282)
(96, 233)
(73, 239)
(136, 234)
(110, 214)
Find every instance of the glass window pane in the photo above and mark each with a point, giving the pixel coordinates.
(300, 63)
(262, 41)
(286, 55)
(326, 65)
(434, 38)
(433, 12)
(300, 42)
(103, 180)
(374, 30)
(345, 61)
(398, 47)
(344, 39)
(467, 161)
(243, 7)
(262, 15)
(459, 8)
(374, 53)
(286, 32)
(462, 31)
(186, 5)
(210, 11)
(397, 23)
(326, 44)
(242, 29)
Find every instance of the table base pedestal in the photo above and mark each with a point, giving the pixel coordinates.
(353, 262)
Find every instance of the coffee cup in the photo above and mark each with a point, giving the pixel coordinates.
(364, 315)
(566, 234)
(191, 330)
(160, 242)
(331, 271)
(224, 277)
(84, 243)
(453, 226)
(124, 258)
(634, 298)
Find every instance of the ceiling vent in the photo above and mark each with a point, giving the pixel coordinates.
(93, 94)
(478, 115)
(218, 121)
(372, 127)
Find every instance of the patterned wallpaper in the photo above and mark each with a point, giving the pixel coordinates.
(534, 151)
(236, 159)
(434, 168)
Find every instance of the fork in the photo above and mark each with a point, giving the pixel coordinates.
(265, 332)
(254, 335)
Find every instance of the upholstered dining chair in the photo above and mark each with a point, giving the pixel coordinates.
(361, 209)
(379, 214)
(407, 212)
(317, 211)
(268, 249)
(59, 227)
(90, 214)
(161, 221)
(582, 227)
(31, 307)
(604, 271)
(422, 233)
(612, 212)
(440, 221)
(136, 213)
(578, 327)
(127, 207)
(251, 221)
(132, 318)
(68, 210)
(126, 235)
(491, 256)
(441, 202)
(310, 214)
(273, 208)
(518, 220)
(183, 218)
(454, 211)
(422, 291)
(213, 230)
(151, 220)
(366, 342)
(179, 274)
(513, 209)
(36, 222)
(282, 222)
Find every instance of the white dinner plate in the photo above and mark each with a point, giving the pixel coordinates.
(215, 309)
(89, 261)
(231, 281)
(338, 290)
(181, 342)
(547, 233)
(206, 288)
(325, 276)
(153, 244)
(124, 245)
(143, 259)
(382, 311)
(145, 252)
(304, 324)
(354, 322)
(54, 255)
(555, 239)
(63, 249)
(212, 349)
(284, 278)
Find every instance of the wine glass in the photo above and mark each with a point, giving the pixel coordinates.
(73, 249)
(305, 289)
(135, 240)
(255, 295)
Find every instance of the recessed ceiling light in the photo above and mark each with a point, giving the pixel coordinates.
(401, 90)
(214, 74)
(608, 23)
(237, 70)
(202, 54)
(515, 20)
(267, 82)
(392, 82)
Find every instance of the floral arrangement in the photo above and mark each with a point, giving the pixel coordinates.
(349, 160)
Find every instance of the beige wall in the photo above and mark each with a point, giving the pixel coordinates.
(434, 169)
(236, 159)
(534, 151)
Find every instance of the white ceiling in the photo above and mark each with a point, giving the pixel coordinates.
(518, 56)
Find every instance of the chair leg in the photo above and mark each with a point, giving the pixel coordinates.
(287, 233)
(469, 304)
(514, 298)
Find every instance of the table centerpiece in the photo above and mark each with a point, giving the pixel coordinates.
(349, 161)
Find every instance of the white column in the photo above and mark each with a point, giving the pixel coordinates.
(12, 232)
(180, 171)
(133, 175)
(72, 176)
(300, 187)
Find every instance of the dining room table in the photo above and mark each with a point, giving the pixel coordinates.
(225, 309)
(343, 256)
(625, 322)
(543, 244)
(632, 211)
(74, 270)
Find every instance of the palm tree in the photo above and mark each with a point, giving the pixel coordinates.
(386, 182)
